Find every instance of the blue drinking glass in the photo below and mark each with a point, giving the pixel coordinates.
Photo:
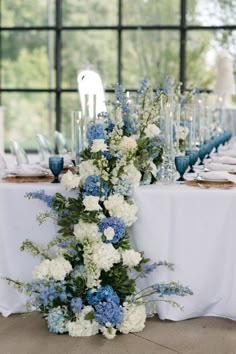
(193, 156)
(181, 164)
(202, 154)
(56, 166)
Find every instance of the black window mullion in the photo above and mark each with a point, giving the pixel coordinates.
(58, 46)
(182, 71)
(119, 34)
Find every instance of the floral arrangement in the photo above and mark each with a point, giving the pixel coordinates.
(90, 286)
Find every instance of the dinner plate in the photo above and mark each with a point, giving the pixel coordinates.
(214, 180)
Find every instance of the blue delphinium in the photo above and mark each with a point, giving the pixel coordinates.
(76, 304)
(173, 288)
(104, 293)
(48, 199)
(108, 312)
(118, 226)
(128, 128)
(148, 268)
(56, 320)
(96, 131)
(95, 186)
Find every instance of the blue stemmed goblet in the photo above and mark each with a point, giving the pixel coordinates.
(181, 164)
(193, 156)
(202, 153)
(56, 166)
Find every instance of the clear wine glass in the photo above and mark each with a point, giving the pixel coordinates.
(56, 166)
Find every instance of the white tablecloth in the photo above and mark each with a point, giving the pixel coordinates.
(191, 227)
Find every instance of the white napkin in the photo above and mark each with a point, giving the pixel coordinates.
(218, 175)
(214, 166)
(224, 159)
(231, 153)
(27, 169)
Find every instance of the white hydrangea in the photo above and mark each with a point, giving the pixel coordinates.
(117, 206)
(131, 258)
(59, 268)
(152, 130)
(134, 318)
(104, 256)
(108, 332)
(99, 145)
(70, 180)
(86, 231)
(82, 327)
(109, 233)
(133, 174)
(87, 168)
(127, 144)
(91, 203)
(41, 271)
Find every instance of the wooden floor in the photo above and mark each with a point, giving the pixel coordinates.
(208, 335)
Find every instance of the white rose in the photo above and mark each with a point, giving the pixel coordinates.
(105, 255)
(151, 131)
(134, 318)
(109, 233)
(70, 180)
(59, 268)
(99, 145)
(42, 270)
(127, 144)
(84, 230)
(87, 168)
(131, 258)
(91, 203)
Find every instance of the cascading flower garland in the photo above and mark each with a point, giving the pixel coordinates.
(91, 285)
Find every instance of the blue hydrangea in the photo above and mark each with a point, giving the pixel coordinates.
(110, 126)
(124, 187)
(96, 131)
(108, 311)
(76, 304)
(56, 320)
(48, 199)
(104, 293)
(118, 226)
(95, 186)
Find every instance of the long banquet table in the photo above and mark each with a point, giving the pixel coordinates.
(191, 227)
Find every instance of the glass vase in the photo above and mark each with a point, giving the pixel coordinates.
(78, 135)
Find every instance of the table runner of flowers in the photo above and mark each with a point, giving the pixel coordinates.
(90, 286)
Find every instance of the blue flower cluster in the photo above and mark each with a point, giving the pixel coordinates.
(48, 199)
(104, 293)
(118, 226)
(56, 320)
(76, 304)
(95, 186)
(173, 288)
(96, 131)
(123, 187)
(108, 312)
(128, 127)
(44, 292)
(148, 268)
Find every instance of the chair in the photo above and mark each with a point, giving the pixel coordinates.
(60, 142)
(19, 152)
(44, 148)
(91, 93)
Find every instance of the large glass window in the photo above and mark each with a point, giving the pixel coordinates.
(44, 44)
